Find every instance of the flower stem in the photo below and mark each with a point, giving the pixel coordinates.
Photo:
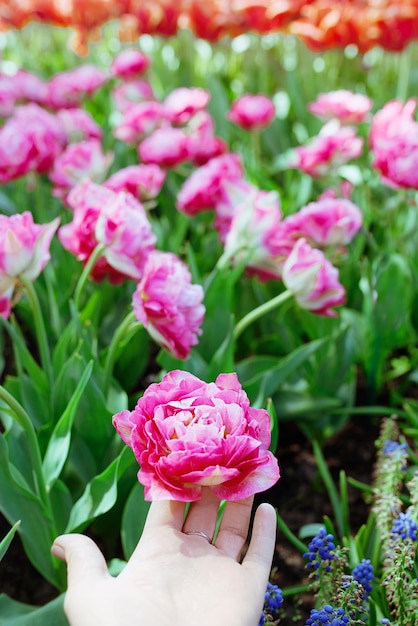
(261, 310)
(127, 325)
(95, 255)
(41, 335)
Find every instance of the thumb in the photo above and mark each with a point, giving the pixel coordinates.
(85, 562)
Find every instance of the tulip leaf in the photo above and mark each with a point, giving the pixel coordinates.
(100, 494)
(37, 529)
(133, 520)
(59, 443)
(262, 376)
(15, 613)
(6, 541)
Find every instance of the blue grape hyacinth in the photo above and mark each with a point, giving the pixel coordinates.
(320, 550)
(327, 616)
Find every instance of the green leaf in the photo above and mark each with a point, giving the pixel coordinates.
(310, 530)
(274, 426)
(133, 519)
(100, 494)
(36, 530)
(25, 357)
(6, 541)
(223, 359)
(262, 376)
(59, 443)
(13, 613)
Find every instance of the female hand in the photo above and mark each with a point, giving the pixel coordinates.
(174, 578)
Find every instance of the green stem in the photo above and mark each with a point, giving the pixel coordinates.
(95, 255)
(24, 421)
(261, 310)
(295, 541)
(128, 324)
(404, 71)
(255, 140)
(329, 485)
(40, 330)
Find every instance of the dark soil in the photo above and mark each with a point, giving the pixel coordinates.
(299, 496)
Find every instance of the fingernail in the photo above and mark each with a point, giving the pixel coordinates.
(58, 551)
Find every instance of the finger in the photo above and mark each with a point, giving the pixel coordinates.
(233, 530)
(260, 552)
(202, 514)
(85, 562)
(165, 513)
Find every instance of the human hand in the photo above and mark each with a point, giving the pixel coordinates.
(174, 578)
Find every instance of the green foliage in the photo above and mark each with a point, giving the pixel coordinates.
(74, 354)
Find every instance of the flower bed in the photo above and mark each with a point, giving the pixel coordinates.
(225, 255)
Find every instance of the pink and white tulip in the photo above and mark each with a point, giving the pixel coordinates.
(247, 220)
(329, 222)
(129, 64)
(80, 161)
(203, 189)
(139, 121)
(30, 88)
(30, 141)
(344, 105)
(334, 146)
(9, 95)
(203, 144)
(168, 304)
(188, 435)
(144, 182)
(68, 89)
(252, 111)
(166, 147)
(313, 280)
(78, 125)
(24, 252)
(116, 220)
(131, 93)
(184, 102)
(394, 141)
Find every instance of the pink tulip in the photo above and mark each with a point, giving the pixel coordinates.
(116, 220)
(139, 121)
(129, 64)
(30, 141)
(187, 434)
(252, 112)
(166, 147)
(78, 125)
(131, 93)
(30, 88)
(78, 162)
(144, 182)
(68, 89)
(325, 223)
(125, 231)
(394, 141)
(184, 102)
(9, 95)
(342, 104)
(203, 189)
(24, 252)
(250, 235)
(312, 279)
(168, 305)
(334, 146)
(203, 145)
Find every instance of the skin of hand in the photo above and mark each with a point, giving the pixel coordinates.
(172, 578)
